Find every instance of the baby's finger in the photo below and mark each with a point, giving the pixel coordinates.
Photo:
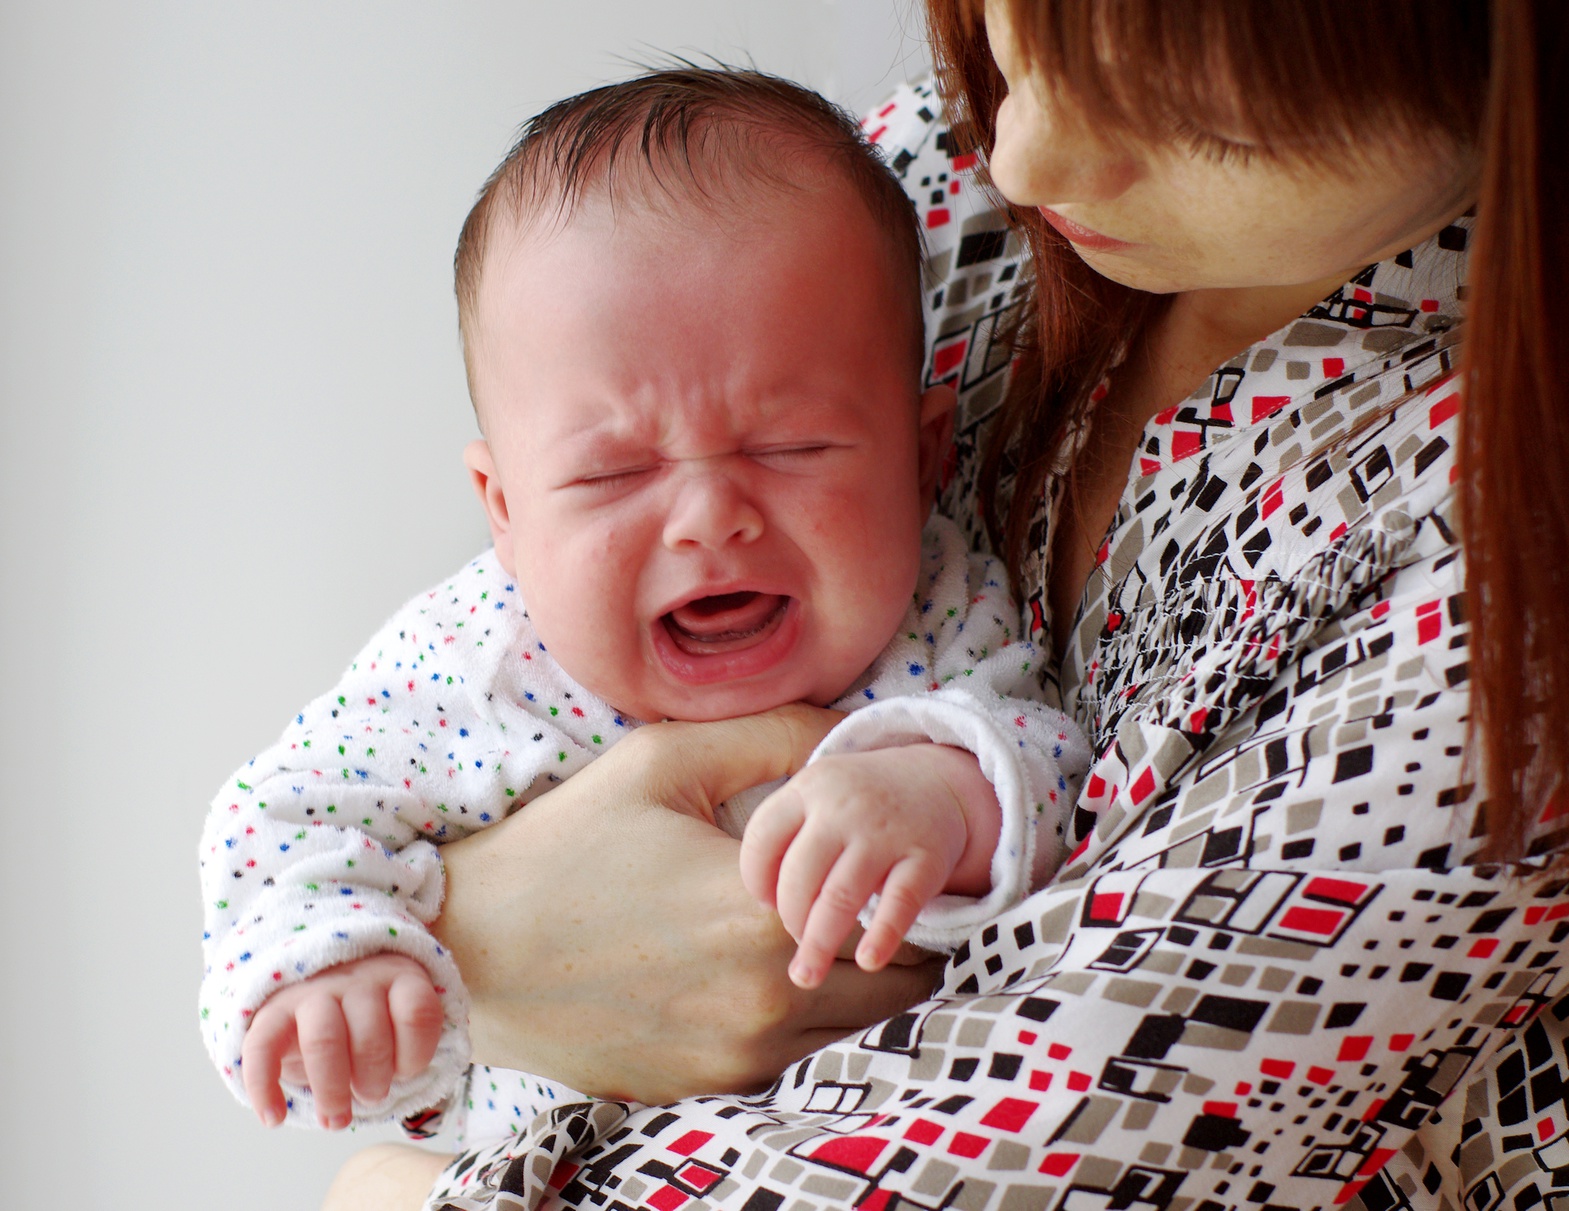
(769, 832)
(843, 894)
(270, 1037)
(801, 874)
(417, 1021)
(371, 1041)
(909, 887)
(324, 1046)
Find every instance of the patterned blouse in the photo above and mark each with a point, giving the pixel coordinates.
(1274, 973)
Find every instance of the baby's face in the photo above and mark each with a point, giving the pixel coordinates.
(707, 463)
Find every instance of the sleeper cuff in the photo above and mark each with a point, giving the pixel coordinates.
(288, 940)
(951, 718)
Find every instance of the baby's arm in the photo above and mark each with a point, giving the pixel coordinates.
(957, 679)
(906, 823)
(354, 1027)
(320, 851)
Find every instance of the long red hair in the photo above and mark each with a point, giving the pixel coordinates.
(1313, 78)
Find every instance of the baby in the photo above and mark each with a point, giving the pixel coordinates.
(690, 306)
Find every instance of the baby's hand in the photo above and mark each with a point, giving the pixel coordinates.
(906, 822)
(355, 1026)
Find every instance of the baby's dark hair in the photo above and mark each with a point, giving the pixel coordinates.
(688, 132)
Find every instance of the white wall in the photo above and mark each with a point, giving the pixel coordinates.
(232, 410)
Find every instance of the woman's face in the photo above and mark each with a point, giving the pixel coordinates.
(1208, 211)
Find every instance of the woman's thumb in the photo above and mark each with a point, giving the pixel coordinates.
(706, 763)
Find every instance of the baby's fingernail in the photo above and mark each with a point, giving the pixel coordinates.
(801, 974)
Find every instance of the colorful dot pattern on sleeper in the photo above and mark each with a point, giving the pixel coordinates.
(1274, 974)
(323, 849)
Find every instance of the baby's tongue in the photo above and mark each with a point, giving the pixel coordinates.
(728, 620)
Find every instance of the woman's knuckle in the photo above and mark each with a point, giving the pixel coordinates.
(731, 1070)
(640, 745)
(763, 1001)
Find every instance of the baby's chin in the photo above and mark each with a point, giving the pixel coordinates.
(716, 702)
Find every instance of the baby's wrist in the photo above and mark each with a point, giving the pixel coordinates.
(976, 801)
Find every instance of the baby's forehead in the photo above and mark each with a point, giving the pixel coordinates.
(750, 316)
(612, 234)
(738, 218)
(648, 229)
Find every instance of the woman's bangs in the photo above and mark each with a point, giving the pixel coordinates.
(1301, 80)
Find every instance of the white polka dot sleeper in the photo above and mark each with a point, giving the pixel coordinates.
(324, 847)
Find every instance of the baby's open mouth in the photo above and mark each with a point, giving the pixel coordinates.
(727, 622)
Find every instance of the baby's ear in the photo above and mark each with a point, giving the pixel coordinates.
(487, 486)
(936, 435)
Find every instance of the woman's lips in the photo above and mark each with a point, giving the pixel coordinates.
(729, 637)
(1082, 236)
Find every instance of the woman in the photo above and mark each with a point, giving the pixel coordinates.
(1230, 454)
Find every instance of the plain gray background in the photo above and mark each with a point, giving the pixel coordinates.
(233, 410)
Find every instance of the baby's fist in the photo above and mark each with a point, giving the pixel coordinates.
(888, 821)
(354, 1027)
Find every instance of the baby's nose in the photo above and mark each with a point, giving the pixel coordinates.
(710, 511)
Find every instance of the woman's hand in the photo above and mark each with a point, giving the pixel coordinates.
(607, 940)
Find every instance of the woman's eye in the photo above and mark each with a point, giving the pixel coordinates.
(1212, 146)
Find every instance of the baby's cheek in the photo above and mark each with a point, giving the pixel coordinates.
(587, 647)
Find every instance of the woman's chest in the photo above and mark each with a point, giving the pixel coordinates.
(1216, 565)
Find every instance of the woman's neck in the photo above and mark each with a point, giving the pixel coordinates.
(1198, 331)
(1203, 329)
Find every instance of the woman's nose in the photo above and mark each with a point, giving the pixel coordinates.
(710, 512)
(1047, 154)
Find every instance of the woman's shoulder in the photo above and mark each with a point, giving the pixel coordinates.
(974, 281)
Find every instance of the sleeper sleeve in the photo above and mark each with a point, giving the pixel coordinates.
(322, 849)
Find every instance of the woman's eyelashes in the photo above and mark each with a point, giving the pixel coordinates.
(1211, 146)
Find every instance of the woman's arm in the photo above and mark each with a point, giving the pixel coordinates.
(607, 941)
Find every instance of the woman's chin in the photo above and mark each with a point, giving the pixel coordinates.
(1128, 268)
